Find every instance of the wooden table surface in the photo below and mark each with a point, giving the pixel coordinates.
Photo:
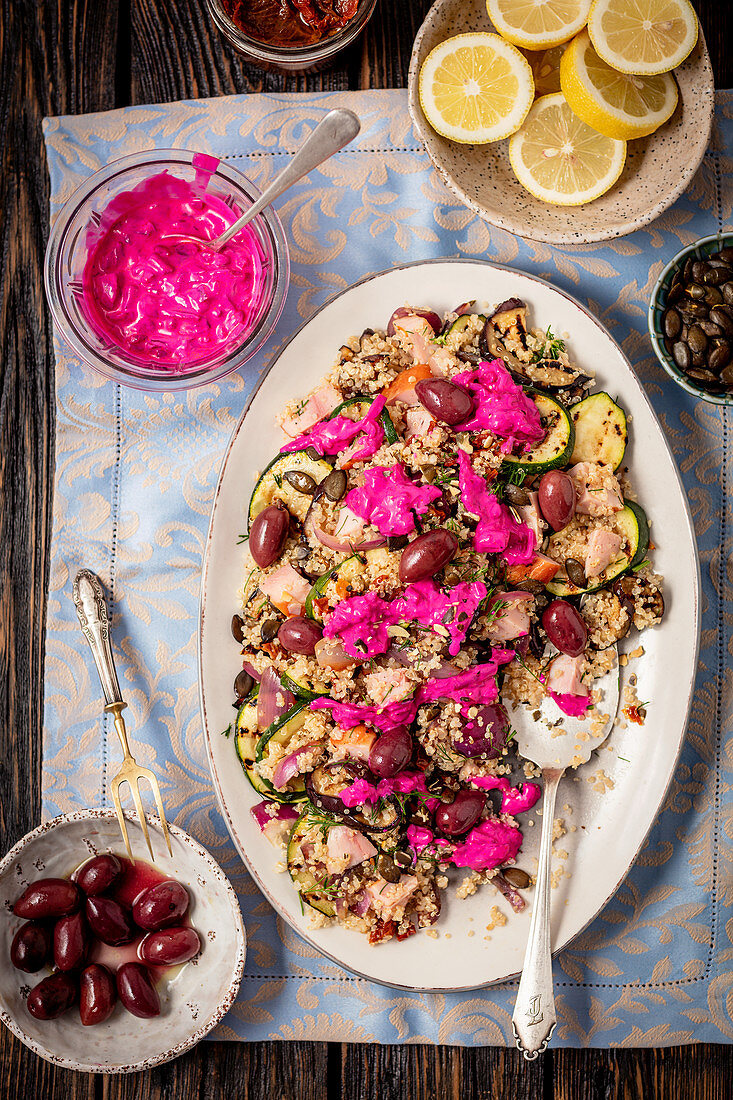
(73, 56)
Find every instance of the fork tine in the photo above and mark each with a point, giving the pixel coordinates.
(121, 818)
(161, 812)
(141, 813)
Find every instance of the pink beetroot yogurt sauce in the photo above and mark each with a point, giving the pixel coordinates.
(164, 303)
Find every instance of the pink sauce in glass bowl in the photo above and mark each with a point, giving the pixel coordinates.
(156, 313)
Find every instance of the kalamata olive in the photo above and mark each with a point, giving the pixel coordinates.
(716, 276)
(575, 572)
(726, 375)
(108, 921)
(301, 482)
(243, 684)
(52, 996)
(397, 542)
(31, 947)
(170, 946)
(388, 869)
(457, 817)
(727, 290)
(299, 634)
(447, 402)
(237, 628)
(269, 629)
(48, 897)
(565, 628)
(406, 311)
(97, 994)
(486, 733)
(427, 554)
(699, 267)
(98, 875)
(710, 329)
(391, 752)
(267, 534)
(517, 877)
(136, 991)
(70, 941)
(160, 906)
(556, 497)
(334, 485)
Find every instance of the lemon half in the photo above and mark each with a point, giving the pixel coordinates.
(538, 24)
(643, 37)
(618, 105)
(562, 160)
(475, 88)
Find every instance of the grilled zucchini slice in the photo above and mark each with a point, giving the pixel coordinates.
(600, 431)
(272, 486)
(304, 879)
(557, 446)
(631, 523)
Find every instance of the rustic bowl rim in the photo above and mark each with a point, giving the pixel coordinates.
(700, 248)
(106, 813)
(560, 236)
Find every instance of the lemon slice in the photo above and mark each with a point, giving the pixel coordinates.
(475, 88)
(616, 104)
(643, 37)
(562, 160)
(538, 24)
(545, 69)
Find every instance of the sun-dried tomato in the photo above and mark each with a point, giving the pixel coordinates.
(294, 23)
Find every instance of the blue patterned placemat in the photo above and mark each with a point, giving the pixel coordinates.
(135, 477)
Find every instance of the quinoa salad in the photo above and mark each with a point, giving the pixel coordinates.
(446, 528)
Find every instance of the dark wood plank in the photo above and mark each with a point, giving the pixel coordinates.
(676, 1073)
(427, 1072)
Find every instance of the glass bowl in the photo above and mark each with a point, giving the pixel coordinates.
(67, 252)
(699, 250)
(291, 59)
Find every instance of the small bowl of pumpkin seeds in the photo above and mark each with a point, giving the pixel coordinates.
(691, 318)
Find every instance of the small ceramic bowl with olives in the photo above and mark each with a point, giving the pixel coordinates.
(111, 965)
(691, 318)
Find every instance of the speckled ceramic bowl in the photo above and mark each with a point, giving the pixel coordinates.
(193, 1001)
(699, 250)
(658, 168)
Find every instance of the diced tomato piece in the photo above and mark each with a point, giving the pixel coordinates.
(402, 388)
(541, 568)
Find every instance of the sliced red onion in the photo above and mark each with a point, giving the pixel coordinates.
(256, 676)
(513, 896)
(263, 815)
(273, 700)
(341, 545)
(361, 903)
(429, 315)
(289, 766)
(330, 653)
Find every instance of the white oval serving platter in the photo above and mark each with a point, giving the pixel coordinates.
(605, 831)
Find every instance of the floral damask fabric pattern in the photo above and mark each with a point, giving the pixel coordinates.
(135, 479)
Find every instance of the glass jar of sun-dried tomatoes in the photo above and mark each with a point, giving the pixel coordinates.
(291, 35)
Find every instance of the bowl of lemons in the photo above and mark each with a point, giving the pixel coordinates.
(567, 121)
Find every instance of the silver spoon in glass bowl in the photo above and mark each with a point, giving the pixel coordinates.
(337, 129)
(553, 741)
